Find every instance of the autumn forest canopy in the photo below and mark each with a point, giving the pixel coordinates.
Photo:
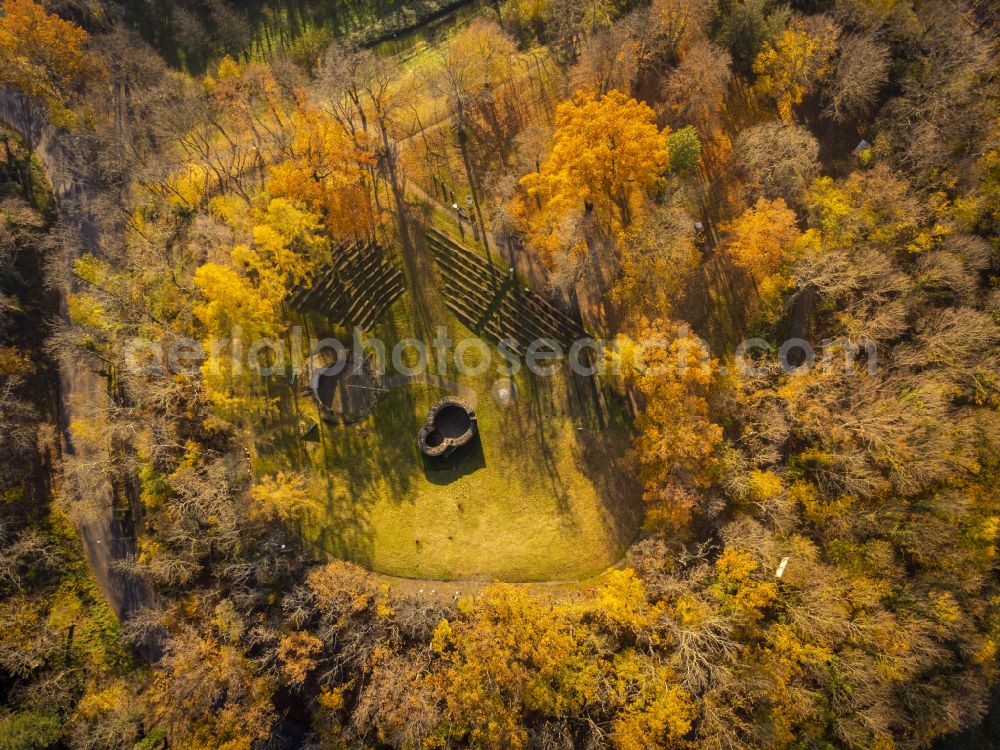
(541, 374)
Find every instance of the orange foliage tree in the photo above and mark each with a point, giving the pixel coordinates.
(762, 241)
(325, 170)
(674, 376)
(43, 56)
(607, 155)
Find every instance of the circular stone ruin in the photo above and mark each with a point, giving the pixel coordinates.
(346, 391)
(451, 423)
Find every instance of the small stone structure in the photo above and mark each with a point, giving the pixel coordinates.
(451, 423)
(347, 391)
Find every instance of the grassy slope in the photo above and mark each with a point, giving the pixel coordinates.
(541, 496)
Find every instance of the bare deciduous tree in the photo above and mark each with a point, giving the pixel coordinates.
(862, 72)
(777, 160)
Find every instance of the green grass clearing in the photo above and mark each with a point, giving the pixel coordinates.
(541, 495)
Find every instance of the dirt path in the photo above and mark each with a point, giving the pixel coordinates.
(446, 593)
(82, 391)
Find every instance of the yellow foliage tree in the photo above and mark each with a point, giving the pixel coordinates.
(799, 59)
(878, 208)
(655, 712)
(479, 59)
(739, 587)
(242, 299)
(622, 602)
(507, 654)
(526, 14)
(285, 496)
(232, 300)
(297, 652)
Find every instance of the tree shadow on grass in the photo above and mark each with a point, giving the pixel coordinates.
(606, 465)
(465, 460)
(540, 403)
(601, 432)
(604, 437)
(350, 466)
